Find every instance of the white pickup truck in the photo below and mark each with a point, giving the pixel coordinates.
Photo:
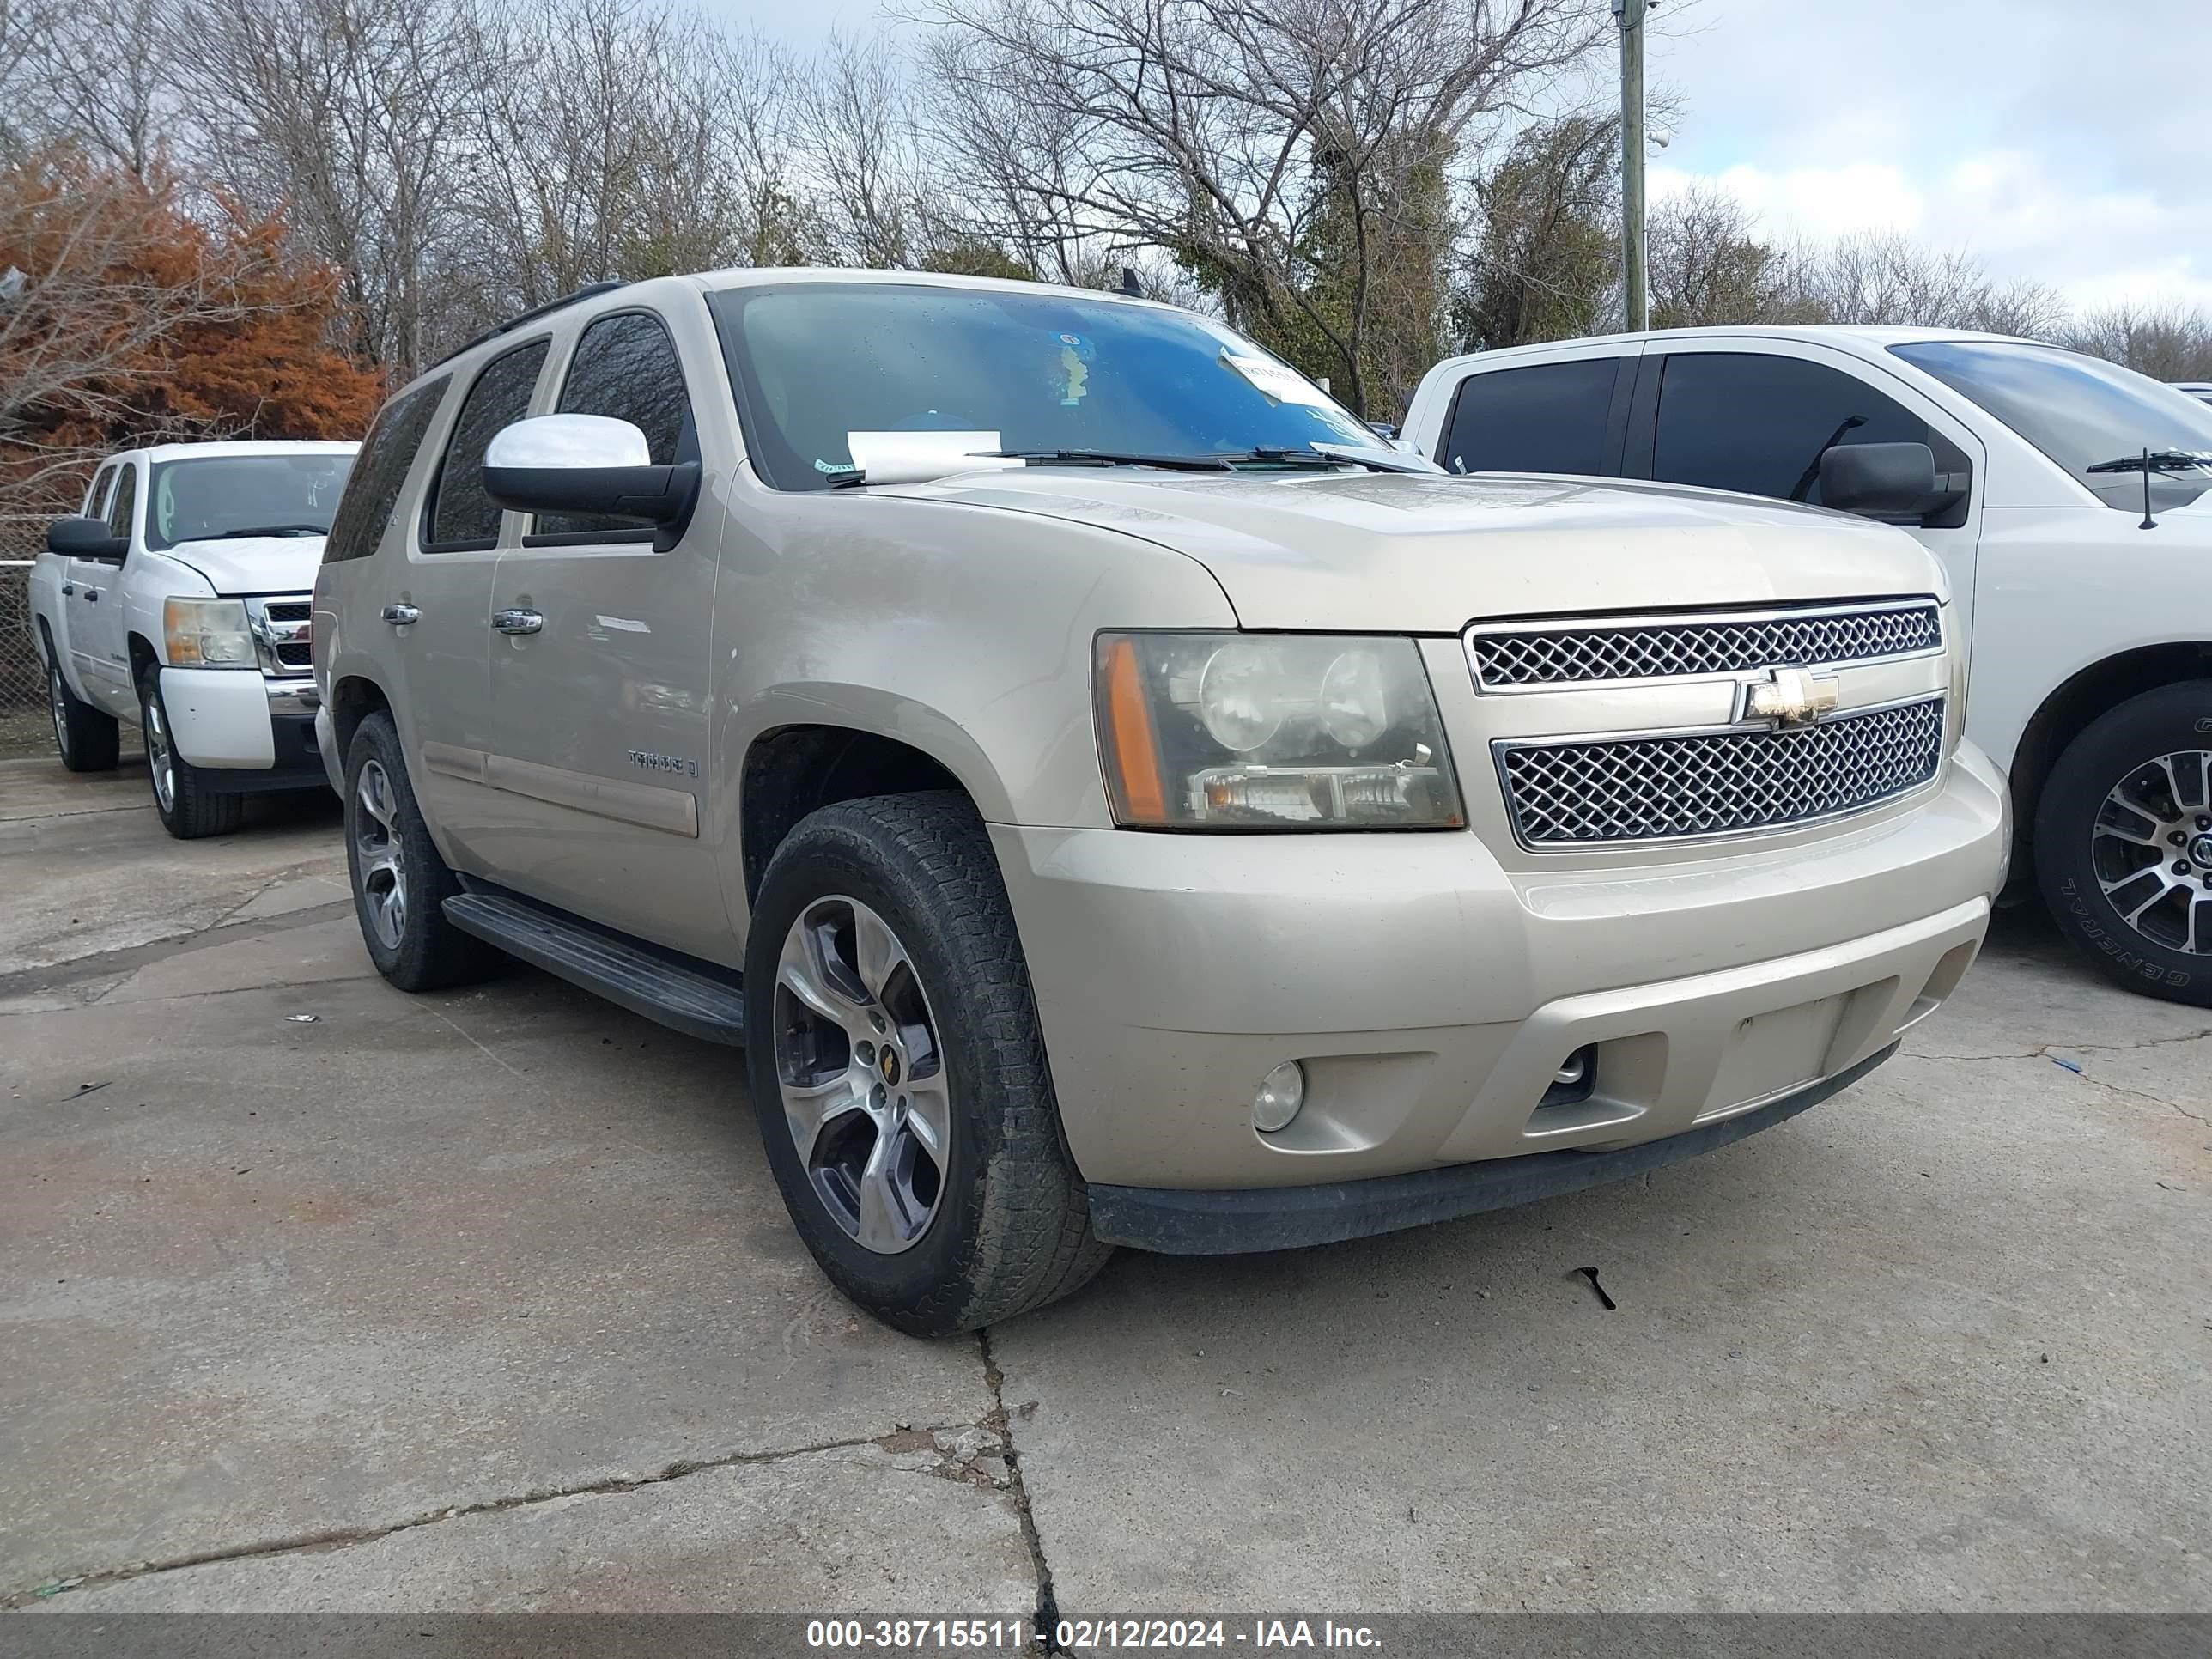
(178, 597)
(2071, 500)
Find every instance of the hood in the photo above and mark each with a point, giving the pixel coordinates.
(254, 564)
(1408, 553)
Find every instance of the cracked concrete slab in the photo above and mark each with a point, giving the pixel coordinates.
(857, 1529)
(91, 870)
(1940, 1343)
(274, 1280)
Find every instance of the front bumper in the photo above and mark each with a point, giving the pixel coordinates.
(1293, 1217)
(245, 733)
(1432, 995)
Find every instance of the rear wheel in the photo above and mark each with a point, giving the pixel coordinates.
(898, 1074)
(189, 809)
(2124, 842)
(86, 738)
(400, 885)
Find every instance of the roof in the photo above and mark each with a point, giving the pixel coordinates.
(213, 448)
(765, 275)
(1866, 336)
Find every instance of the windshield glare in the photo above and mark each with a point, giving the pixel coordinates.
(2079, 411)
(236, 495)
(817, 361)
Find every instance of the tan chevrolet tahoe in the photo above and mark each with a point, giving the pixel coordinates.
(1112, 797)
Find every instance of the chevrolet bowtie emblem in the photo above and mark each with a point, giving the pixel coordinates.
(1791, 697)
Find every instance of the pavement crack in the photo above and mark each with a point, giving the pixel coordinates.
(2043, 1051)
(76, 970)
(999, 1421)
(345, 1537)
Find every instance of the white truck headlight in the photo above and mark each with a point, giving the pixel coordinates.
(207, 634)
(1272, 732)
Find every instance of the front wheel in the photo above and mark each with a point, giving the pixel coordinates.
(2124, 842)
(189, 809)
(898, 1072)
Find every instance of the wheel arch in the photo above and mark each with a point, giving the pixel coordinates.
(791, 771)
(353, 699)
(142, 653)
(2077, 702)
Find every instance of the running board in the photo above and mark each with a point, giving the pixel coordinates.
(633, 975)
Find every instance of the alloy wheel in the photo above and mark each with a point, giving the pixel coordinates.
(160, 763)
(57, 698)
(2151, 849)
(862, 1073)
(380, 864)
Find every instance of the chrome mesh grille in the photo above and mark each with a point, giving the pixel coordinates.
(283, 635)
(1720, 782)
(1657, 649)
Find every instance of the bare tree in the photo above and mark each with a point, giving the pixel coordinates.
(2166, 341)
(98, 76)
(1709, 266)
(1886, 277)
(1228, 134)
(345, 116)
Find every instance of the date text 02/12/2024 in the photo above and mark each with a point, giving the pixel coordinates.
(1081, 1635)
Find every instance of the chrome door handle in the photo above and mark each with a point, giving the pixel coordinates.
(517, 622)
(400, 615)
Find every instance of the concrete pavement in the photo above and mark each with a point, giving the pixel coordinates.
(485, 1301)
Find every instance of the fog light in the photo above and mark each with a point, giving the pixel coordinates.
(1281, 1094)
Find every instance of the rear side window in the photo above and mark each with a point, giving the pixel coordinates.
(124, 506)
(626, 367)
(1550, 417)
(1758, 423)
(372, 489)
(461, 515)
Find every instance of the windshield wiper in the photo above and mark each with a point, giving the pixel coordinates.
(271, 530)
(1332, 456)
(2158, 460)
(1107, 457)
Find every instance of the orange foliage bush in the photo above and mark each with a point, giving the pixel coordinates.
(137, 320)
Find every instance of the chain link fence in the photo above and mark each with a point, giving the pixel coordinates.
(22, 681)
(23, 728)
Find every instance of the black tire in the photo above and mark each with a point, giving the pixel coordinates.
(423, 951)
(2081, 868)
(1010, 1227)
(87, 739)
(189, 810)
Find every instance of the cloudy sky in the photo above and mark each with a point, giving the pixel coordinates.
(2070, 141)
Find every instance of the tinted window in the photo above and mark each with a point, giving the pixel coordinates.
(626, 367)
(381, 472)
(223, 495)
(1758, 423)
(95, 499)
(820, 363)
(127, 500)
(461, 514)
(2086, 414)
(1547, 418)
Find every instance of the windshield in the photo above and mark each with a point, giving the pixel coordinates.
(817, 362)
(2083, 412)
(198, 501)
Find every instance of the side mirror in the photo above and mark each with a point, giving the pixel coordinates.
(85, 538)
(588, 464)
(1880, 481)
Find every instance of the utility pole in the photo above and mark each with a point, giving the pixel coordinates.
(1635, 296)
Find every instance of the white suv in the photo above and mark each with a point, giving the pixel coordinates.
(178, 597)
(2071, 500)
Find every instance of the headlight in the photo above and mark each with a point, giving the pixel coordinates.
(1272, 732)
(207, 634)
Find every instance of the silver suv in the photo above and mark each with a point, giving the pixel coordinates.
(1111, 796)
